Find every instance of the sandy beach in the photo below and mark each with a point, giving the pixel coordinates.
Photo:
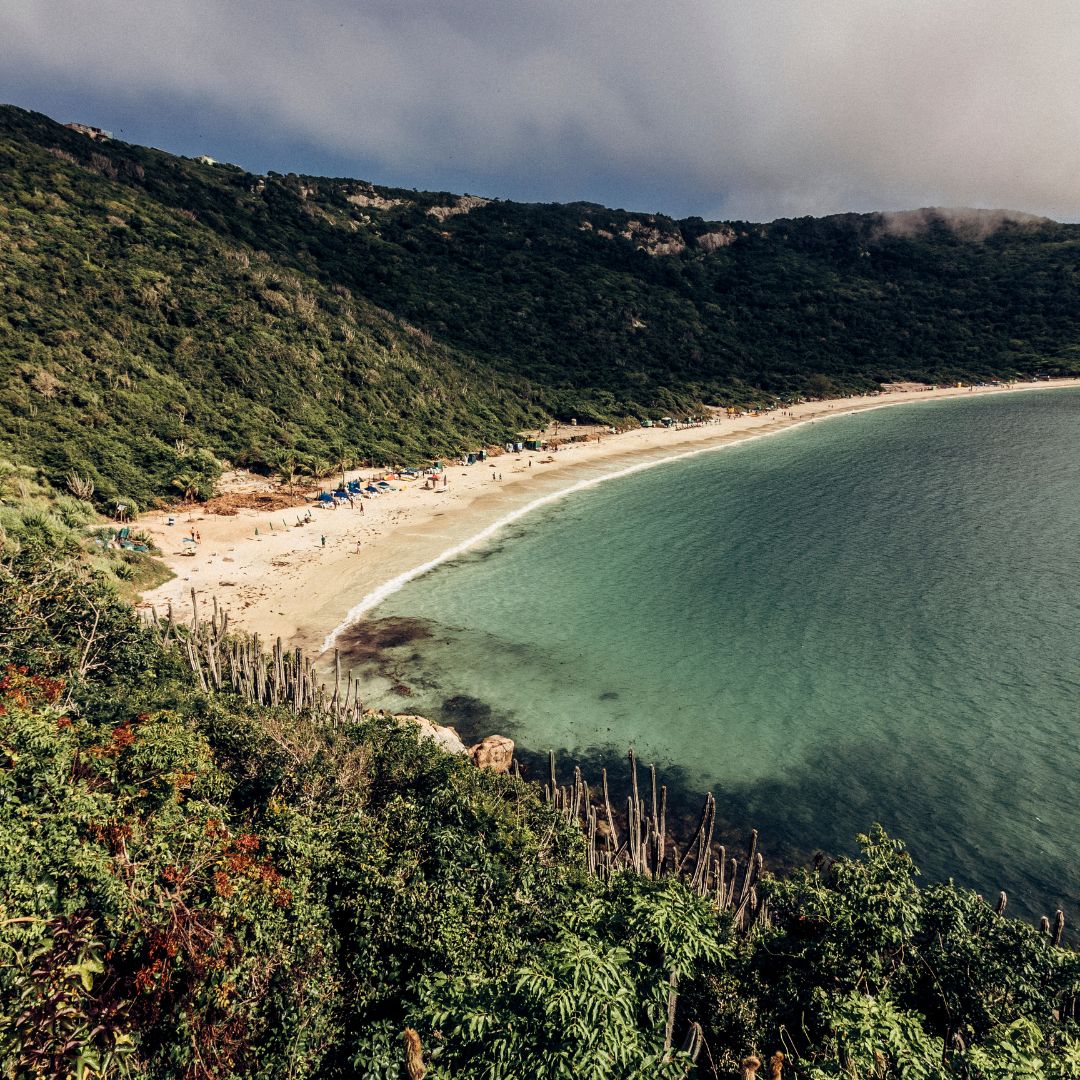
(302, 582)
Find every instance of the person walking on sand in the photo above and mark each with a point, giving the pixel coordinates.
(322, 541)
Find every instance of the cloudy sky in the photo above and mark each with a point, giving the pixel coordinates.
(724, 108)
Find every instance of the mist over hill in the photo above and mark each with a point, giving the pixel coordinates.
(160, 314)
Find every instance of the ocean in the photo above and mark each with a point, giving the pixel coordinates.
(873, 618)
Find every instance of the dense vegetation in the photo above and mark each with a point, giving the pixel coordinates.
(158, 314)
(194, 886)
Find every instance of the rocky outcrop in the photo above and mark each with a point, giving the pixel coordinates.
(495, 753)
(463, 205)
(646, 236)
(446, 738)
(718, 238)
(373, 199)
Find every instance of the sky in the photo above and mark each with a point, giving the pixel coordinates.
(726, 109)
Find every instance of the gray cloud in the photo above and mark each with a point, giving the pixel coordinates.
(731, 108)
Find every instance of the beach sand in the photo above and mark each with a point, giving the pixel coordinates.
(301, 583)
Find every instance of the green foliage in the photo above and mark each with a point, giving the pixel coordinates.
(590, 999)
(37, 522)
(573, 1010)
(865, 974)
(870, 1037)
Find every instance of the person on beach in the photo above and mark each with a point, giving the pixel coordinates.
(322, 541)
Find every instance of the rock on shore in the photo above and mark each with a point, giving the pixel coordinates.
(495, 753)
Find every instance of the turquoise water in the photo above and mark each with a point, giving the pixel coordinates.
(874, 618)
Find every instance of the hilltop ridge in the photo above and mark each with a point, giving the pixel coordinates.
(163, 313)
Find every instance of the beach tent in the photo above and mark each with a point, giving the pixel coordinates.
(325, 497)
(373, 489)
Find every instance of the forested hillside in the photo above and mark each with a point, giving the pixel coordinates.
(158, 313)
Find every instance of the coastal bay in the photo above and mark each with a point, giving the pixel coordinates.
(874, 620)
(281, 580)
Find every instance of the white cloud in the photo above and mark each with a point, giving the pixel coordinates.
(749, 109)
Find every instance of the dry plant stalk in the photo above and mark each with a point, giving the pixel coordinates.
(414, 1055)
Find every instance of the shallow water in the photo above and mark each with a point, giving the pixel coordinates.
(873, 618)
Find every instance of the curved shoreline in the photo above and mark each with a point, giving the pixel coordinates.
(281, 580)
(387, 589)
(377, 596)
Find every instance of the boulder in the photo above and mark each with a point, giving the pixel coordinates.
(446, 738)
(496, 753)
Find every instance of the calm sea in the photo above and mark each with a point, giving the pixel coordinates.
(874, 618)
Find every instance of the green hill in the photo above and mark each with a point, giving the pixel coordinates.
(159, 313)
